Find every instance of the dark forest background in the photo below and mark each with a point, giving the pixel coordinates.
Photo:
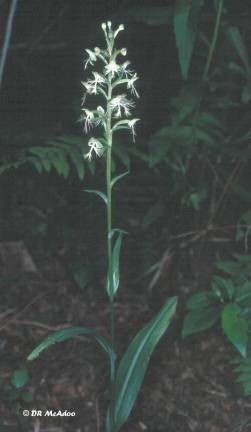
(186, 203)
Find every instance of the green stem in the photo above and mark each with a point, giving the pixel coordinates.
(110, 267)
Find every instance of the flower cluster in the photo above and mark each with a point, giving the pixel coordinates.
(113, 75)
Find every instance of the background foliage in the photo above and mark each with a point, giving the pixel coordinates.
(190, 164)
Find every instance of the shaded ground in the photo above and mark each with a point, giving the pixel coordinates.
(189, 385)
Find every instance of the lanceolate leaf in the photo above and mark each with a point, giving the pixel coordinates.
(117, 178)
(185, 18)
(101, 194)
(235, 327)
(133, 365)
(66, 333)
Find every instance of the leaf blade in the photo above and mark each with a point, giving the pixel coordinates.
(133, 365)
(68, 332)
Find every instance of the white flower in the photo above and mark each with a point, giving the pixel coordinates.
(91, 59)
(89, 88)
(123, 69)
(96, 146)
(91, 85)
(131, 85)
(112, 67)
(131, 124)
(100, 118)
(89, 119)
(118, 102)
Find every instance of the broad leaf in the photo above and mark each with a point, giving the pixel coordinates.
(101, 194)
(133, 365)
(235, 327)
(200, 300)
(200, 319)
(20, 377)
(27, 396)
(66, 333)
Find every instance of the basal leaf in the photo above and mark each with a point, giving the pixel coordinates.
(235, 327)
(66, 333)
(133, 365)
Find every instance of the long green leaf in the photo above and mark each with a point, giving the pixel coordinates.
(236, 38)
(61, 335)
(185, 19)
(133, 365)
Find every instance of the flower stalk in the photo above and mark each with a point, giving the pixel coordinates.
(111, 119)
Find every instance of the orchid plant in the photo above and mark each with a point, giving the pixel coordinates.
(113, 115)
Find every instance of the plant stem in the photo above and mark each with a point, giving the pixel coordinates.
(110, 266)
(109, 228)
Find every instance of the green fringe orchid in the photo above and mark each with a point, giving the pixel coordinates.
(116, 106)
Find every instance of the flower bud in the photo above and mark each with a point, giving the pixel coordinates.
(124, 51)
(121, 27)
(97, 50)
(109, 24)
(103, 26)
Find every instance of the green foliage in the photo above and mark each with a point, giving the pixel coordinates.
(125, 384)
(185, 28)
(115, 268)
(62, 335)
(14, 392)
(133, 365)
(20, 377)
(215, 66)
(244, 368)
(57, 154)
(246, 219)
(229, 299)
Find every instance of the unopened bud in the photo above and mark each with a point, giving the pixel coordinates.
(103, 26)
(121, 27)
(124, 51)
